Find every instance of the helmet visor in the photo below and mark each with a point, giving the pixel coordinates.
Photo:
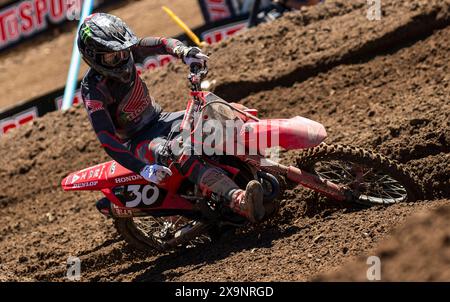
(113, 59)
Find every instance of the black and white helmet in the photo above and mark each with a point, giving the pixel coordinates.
(104, 42)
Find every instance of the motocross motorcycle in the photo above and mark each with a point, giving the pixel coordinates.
(175, 214)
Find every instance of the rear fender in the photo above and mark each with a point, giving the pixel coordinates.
(102, 176)
(111, 179)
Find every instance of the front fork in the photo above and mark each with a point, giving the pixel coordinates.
(308, 180)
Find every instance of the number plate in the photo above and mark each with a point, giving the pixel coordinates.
(140, 196)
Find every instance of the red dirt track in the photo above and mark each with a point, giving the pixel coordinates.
(382, 85)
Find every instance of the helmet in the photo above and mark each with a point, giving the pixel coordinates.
(104, 42)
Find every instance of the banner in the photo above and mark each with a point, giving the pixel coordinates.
(21, 20)
(216, 10)
(24, 19)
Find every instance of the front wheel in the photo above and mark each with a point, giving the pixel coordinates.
(369, 177)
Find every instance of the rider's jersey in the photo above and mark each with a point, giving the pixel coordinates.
(119, 110)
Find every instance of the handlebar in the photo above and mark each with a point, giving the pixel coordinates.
(195, 68)
(197, 73)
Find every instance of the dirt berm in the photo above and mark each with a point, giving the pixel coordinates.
(417, 251)
(382, 85)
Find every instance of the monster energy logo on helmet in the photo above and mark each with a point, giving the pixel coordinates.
(85, 33)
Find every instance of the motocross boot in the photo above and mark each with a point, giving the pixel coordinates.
(249, 203)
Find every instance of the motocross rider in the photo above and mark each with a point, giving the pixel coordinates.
(130, 125)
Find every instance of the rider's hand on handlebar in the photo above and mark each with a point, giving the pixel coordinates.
(155, 173)
(194, 55)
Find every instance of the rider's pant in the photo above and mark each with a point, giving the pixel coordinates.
(145, 146)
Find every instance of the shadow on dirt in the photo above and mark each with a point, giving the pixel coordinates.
(152, 266)
(162, 268)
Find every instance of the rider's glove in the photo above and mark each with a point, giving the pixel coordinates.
(155, 173)
(194, 55)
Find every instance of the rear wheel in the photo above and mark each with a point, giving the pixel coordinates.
(161, 233)
(165, 233)
(371, 178)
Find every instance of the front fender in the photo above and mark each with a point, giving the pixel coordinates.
(294, 133)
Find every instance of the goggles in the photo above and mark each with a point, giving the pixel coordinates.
(113, 59)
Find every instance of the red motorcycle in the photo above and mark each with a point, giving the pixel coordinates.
(174, 213)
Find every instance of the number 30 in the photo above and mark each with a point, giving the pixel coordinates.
(148, 195)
